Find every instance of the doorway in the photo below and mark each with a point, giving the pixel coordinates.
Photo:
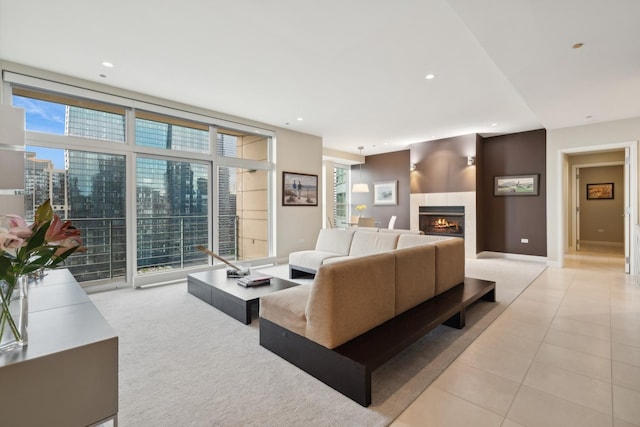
(624, 154)
(598, 195)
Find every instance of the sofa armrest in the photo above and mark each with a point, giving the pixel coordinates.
(287, 308)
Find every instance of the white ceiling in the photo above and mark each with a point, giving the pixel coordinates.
(354, 70)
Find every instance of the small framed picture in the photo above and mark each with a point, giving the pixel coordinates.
(385, 193)
(299, 189)
(600, 191)
(516, 185)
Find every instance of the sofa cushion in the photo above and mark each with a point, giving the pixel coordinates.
(368, 243)
(349, 298)
(287, 308)
(310, 259)
(399, 231)
(407, 240)
(359, 228)
(415, 276)
(335, 240)
(449, 257)
(450, 263)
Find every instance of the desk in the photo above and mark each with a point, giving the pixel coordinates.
(67, 375)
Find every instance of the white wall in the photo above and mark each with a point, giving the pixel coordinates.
(596, 136)
(297, 227)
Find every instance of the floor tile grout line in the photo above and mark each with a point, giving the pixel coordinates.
(524, 377)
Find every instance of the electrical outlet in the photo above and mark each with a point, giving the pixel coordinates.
(524, 240)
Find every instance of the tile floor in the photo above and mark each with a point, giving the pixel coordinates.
(565, 353)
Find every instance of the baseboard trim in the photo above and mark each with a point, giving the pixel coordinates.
(601, 243)
(519, 257)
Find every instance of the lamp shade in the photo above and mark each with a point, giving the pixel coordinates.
(360, 188)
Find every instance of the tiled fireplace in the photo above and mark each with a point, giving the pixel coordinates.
(441, 203)
(442, 220)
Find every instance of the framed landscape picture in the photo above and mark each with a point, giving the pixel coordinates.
(600, 191)
(385, 193)
(299, 189)
(516, 185)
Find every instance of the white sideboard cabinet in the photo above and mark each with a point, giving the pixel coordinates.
(67, 375)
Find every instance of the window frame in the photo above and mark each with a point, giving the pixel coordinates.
(131, 151)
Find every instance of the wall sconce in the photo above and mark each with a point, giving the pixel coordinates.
(412, 167)
(471, 160)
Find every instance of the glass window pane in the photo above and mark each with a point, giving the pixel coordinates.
(62, 115)
(242, 146)
(341, 194)
(88, 189)
(94, 124)
(172, 198)
(243, 213)
(171, 133)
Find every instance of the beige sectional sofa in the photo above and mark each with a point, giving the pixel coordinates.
(363, 279)
(373, 295)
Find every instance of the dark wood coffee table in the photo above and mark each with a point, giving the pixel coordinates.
(214, 288)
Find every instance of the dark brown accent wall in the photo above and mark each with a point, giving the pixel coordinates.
(441, 165)
(508, 219)
(379, 168)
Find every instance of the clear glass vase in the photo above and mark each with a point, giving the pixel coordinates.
(14, 314)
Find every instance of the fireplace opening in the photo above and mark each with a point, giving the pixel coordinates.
(442, 220)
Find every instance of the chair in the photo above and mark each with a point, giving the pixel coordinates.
(366, 222)
(392, 222)
(354, 220)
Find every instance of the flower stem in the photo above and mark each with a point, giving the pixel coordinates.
(5, 313)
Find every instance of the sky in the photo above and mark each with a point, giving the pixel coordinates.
(44, 116)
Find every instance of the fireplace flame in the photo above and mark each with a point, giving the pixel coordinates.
(444, 223)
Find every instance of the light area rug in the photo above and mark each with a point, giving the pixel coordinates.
(183, 362)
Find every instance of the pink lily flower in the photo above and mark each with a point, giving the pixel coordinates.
(59, 231)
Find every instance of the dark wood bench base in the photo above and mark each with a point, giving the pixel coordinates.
(297, 272)
(348, 367)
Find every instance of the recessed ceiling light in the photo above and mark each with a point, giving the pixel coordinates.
(430, 76)
(577, 45)
(104, 76)
(494, 124)
(300, 119)
(588, 117)
(107, 64)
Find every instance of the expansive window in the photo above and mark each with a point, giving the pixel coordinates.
(155, 185)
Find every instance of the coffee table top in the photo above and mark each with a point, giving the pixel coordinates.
(218, 279)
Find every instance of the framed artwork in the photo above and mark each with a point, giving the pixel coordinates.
(385, 193)
(600, 191)
(299, 189)
(516, 185)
